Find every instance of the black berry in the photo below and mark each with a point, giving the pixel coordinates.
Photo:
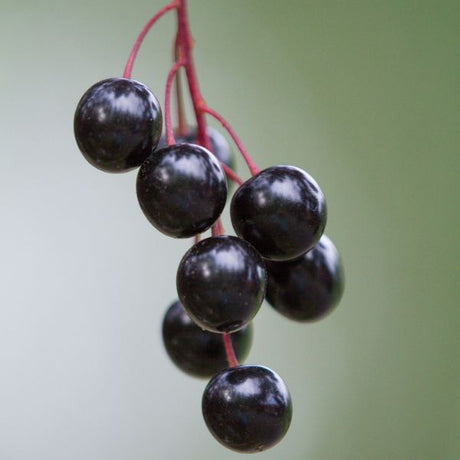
(247, 408)
(117, 124)
(281, 211)
(219, 145)
(181, 189)
(221, 283)
(308, 288)
(197, 352)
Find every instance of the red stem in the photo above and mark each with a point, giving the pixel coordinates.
(132, 56)
(229, 351)
(182, 128)
(183, 52)
(185, 43)
(169, 131)
(251, 165)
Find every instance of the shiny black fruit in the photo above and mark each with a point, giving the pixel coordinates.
(247, 408)
(117, 124)
(281, 211)
(181, 189)
(219, 145)
(221, 283)
(197, 352)
(308, 288)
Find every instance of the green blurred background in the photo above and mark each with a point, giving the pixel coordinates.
(364, 95)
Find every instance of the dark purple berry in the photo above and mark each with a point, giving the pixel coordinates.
(181, 190)
(117, 124)
(197, 352)
(247, 408)
(308, 288)
(219, 145)
(281, 211)
(221, 283)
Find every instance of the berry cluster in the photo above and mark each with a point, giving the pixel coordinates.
(280, 252)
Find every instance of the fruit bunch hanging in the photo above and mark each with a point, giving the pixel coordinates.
(280, 252)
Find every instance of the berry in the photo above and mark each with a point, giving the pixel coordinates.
(281, 211)
(221, 283)
(197, 352)
(117, 124)
(247, 408)
(181, 189)
(308, 288)
(219, 145)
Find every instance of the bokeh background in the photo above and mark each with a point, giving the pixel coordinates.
(364, 95)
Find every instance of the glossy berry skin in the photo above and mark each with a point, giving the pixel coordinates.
(221, 283)
(219, 145)
(117, 124)
(247, 408)
(281, 211)
(308, 288)
(181, 189)
(197, 352)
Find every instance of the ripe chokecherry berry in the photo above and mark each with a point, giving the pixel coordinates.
(219, 145)
(197, 352)
(307, 288)
(281, 211)
(181, 189)
(117, 124)
(221, 283)
(247, 408)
